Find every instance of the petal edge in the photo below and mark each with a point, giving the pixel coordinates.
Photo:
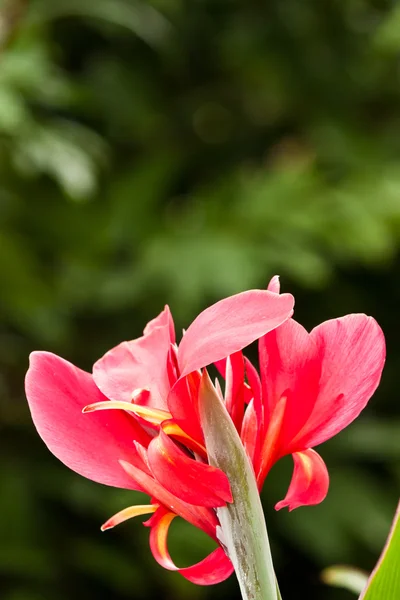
(230, 325)
(310, 481)
(90, 445)
(216, 567)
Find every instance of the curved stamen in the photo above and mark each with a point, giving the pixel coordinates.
(152, 415)
(128, 513)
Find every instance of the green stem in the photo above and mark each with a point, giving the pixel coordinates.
(243, 530)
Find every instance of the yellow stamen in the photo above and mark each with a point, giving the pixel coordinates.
(152, 415)
(128, 513)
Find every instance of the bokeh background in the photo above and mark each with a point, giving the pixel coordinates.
(180, 151)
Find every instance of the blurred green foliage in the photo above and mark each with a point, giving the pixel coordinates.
(155, 152)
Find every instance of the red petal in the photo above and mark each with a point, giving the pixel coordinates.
(183, 405)
(163, 320)
(234, 388)
(216, 567)
(289, 367)
(140, 363)
(199, 516)
(352, 354)
(230, 325)
(310, 481)
(221, 366)
(91, 444)
(173, 430)
(191, 481)
(271, 446)
(253, 422)
(255, 386)
(274, 285)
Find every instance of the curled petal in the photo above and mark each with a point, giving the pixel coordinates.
(91, 445)
(216, 567)
(129, 513)
(310, 481)
(192, 481)
(199, 516)
(140, 396)
(230, 325)
(140, 363)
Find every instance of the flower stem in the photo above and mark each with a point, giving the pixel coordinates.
(243, 531)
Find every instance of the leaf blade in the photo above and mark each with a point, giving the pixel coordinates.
(384, 582)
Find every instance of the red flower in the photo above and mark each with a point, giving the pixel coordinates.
(153, 386)
(310, 387)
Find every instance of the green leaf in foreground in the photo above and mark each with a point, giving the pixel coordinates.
(384, 582)
(243, 530)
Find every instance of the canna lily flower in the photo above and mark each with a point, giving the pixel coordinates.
(142, 429)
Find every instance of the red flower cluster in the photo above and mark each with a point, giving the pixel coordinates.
(143, 430)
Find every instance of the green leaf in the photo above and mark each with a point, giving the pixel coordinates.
(384, 582)
(243, 529)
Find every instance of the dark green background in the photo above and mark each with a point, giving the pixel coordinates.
(180, 151)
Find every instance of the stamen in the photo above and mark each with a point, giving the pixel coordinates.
(152, 415)
(128, 513)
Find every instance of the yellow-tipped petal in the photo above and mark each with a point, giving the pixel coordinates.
(173, 429)
(158, 541)
(128, 513)
(152, 415)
